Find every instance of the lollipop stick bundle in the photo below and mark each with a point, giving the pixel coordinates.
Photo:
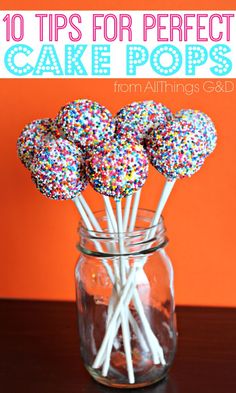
(86, 144)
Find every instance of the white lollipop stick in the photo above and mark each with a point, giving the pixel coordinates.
(127, 212)
(82, 213)
(111, 331)
(90, 214)
(113, 298)
(134, 210)
(131, 228)
(128, 292)
(88, 225)
(163, 199)
(110, 212)
(134, 324)
(121, 241)
(161, 204)
(142, 278)
(97, 244)
(111, 326)
(111, 306)
(124, 319)
(155, 347)
(156, 350)
(113, 341)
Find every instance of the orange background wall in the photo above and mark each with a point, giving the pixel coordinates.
(38, 236)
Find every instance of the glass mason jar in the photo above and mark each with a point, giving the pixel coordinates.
(125, 303)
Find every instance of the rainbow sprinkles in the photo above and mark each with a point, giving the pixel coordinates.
(84, 145)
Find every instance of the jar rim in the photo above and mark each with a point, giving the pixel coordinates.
(143, 240)
(100, 234)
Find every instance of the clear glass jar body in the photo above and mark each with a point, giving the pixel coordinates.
(125, 303)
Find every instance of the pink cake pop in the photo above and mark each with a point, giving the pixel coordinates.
(118, 170)
(58, 170)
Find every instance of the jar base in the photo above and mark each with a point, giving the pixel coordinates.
(98, 377)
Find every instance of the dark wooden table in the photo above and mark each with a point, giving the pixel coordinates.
(39, 351)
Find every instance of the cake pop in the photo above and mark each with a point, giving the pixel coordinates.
(135, 120)
(118, 170)
(31, 138)
(200, 121)
(58, 170)
(85, 123)
(176, 149)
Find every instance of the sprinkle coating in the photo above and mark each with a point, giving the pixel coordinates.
(58, 170)
(176, 150)
(31, 139)
(118, 170)
(201, 121)
(134, 121)
(85, 123)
